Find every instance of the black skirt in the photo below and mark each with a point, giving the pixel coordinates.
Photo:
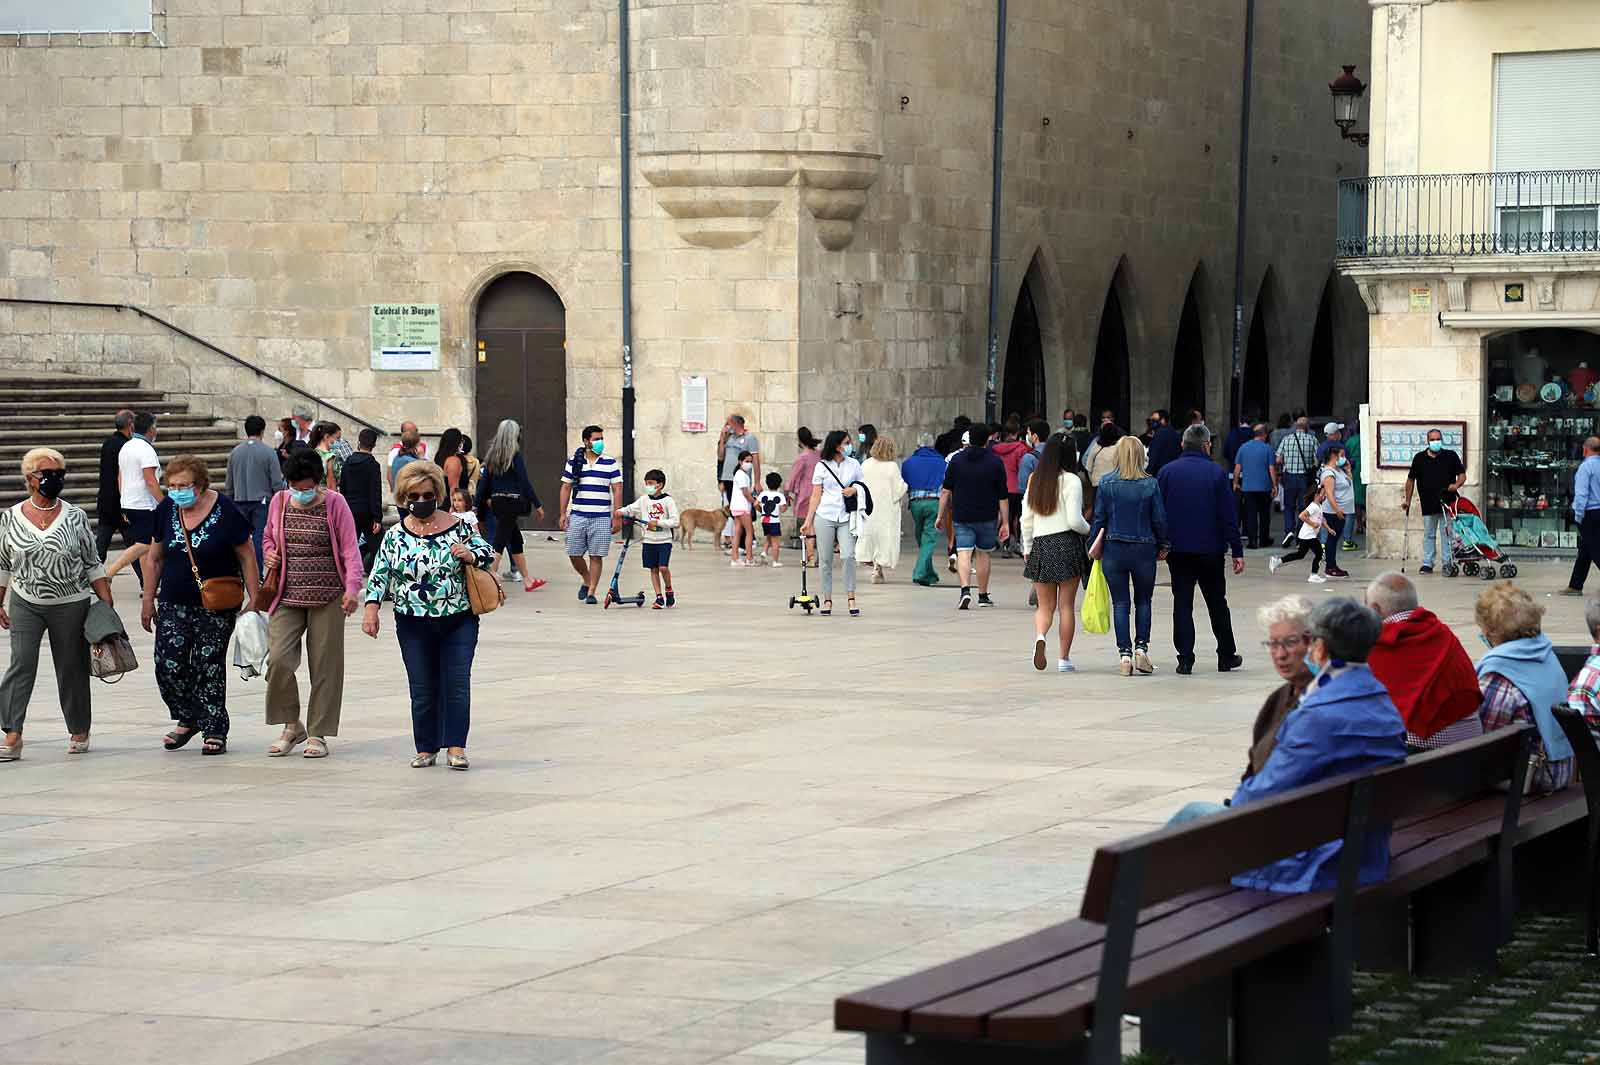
(1057, 558)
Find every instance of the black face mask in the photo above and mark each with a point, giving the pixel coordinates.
(422, 509)
(51, 482)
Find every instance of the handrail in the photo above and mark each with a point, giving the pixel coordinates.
(141, 312)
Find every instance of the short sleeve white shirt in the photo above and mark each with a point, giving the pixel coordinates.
(828, 476)
(135, 457)
(739, 504)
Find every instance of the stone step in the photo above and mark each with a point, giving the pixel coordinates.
(133, 398)
(83, 408)
(38, 427)
(69, 381)
(77, 452)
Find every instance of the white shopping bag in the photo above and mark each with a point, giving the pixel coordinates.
(250, 644)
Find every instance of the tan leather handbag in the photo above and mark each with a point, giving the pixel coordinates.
(220, 594)
(483, 590)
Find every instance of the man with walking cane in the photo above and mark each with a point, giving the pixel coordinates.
(1433, 472)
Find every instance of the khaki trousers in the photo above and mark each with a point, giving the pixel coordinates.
(323, 630)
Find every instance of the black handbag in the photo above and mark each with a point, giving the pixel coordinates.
(861, 500)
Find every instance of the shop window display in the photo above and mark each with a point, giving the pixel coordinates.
(1544, 400)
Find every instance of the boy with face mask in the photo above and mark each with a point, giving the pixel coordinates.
(658, 513)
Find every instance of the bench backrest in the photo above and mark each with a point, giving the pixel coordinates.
(1587, 753)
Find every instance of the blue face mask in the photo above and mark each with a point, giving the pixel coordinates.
(1485, 638)
(1343, 461)
(597, 446)
(861, 437)
(306, 498)
(1435, 446)
(183, 497)
(1311, 664)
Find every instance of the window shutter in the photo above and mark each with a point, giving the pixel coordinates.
(1547, 111)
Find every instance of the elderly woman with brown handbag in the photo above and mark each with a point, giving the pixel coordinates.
(50, 563)
(425, 566)
(313, 583)
(203, 561)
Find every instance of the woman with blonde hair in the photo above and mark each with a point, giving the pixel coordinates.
(1522, 679)
(50, 563)
(1129, 513)
(422, 566)
(880, 535)
(200, 538)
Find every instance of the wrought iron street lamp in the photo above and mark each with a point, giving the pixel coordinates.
(1347, 90)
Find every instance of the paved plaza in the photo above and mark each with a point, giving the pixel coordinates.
(683, 833)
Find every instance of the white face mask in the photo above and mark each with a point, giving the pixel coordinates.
(277, 438)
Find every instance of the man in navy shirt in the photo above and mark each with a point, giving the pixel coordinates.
(1164, 441)
(1194, 486)
(1255, 477)
(974, 497)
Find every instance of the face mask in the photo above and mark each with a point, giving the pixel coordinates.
(1311, 664)
(51, 482)
(850, 450)
(747, 466)
(183, 497)
(653, 489)
(306, 498)
(277, 438)
(1485, 638)
(861, 438)
(422, 509)
(597, 446)
(1342, 460)
(1435, 446)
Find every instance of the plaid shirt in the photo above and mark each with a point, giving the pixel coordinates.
(1469, 727)
(1584, 695)
(1503, 705)
(1297, 452)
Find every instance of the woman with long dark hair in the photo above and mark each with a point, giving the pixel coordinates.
(834, 498)
(1054, 556)
(450, 460)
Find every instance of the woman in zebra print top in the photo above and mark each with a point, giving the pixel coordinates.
(49, 561)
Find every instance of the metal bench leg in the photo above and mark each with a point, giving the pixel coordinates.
(1383, 937)
(900, 1050)
(1190, 1027)
(1543, 872)
(1454, 924)
(1281, 1007)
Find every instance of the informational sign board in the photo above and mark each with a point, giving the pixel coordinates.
(695, 405)
(75, 16)
(405, 336)
(1421, 298)
(1399, 441)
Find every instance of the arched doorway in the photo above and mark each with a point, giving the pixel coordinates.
(1256, 398)
(1110, 385)
(522, 375)
(1023, 391)
(1188, 359)
(1320, 372)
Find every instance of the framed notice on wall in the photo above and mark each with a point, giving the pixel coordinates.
(695, 405)
(1399, 441)
(405, 336)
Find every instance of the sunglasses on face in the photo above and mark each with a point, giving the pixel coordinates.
(423, 497)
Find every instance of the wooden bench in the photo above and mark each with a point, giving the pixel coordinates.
(1220, 973)
(1588, 756)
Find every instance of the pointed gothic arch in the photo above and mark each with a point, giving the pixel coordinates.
(1321, 368)
(1188, 387)
(1256, 398)
(1110, 388)
(1023, 388)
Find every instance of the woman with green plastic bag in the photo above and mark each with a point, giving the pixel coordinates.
(1129, 512)
(1053, 555)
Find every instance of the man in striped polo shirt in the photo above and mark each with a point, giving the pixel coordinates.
(591, 491)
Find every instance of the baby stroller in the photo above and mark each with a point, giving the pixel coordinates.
(1474, 552)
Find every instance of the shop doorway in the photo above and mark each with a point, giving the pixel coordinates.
(1023, 392)
(1544, 395)
(522, 375)
(1256, 396)
(1110, 384)
(1188, 359)
(1320, 372)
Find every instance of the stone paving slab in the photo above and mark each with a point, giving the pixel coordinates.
(678, 861)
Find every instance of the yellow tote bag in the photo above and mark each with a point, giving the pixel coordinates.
(1096, 610)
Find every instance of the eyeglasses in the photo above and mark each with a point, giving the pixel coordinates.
(424, 497)
(1286, 645)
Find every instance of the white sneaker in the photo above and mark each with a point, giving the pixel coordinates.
(1316, 578)
(1066, 666)
(1273, 563)
(776, 565)
(737, 564)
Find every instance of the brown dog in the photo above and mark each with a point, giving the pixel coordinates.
(694, 519)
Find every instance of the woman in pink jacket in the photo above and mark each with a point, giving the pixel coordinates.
(314, 580)
(798, 487)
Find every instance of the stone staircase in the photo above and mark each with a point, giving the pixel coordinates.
(74, 415)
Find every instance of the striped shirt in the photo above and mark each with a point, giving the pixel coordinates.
(591, 496)
(1584, 695)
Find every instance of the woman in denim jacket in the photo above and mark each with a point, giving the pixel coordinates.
(1128, 509)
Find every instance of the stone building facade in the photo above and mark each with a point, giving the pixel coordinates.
(810, 208)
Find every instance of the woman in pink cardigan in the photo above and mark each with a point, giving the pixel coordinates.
(314, 578)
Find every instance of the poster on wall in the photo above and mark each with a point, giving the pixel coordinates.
(1399, 441)
(405, 336)
(695, 405)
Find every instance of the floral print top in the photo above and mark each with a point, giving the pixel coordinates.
(421, 575)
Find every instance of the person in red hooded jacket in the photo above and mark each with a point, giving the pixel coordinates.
(1428, 673)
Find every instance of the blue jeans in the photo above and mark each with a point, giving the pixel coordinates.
(1121, 563)
(1434, 531)
(256, 515)
(438, 656)
(1294, 500)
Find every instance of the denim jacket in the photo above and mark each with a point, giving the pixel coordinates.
(1130, 512)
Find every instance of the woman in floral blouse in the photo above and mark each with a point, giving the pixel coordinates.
(421, 565)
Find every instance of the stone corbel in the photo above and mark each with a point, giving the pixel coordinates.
(1455, 294)
(719, 201)
(836, 194)
(1544, 293)
(1368, 296)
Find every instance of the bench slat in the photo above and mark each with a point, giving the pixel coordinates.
(962, 1015)
(885, 1008)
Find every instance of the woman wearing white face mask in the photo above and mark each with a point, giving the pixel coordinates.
(1339, 502)
(313, 583)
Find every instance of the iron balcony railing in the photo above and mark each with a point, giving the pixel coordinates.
(1526, 212)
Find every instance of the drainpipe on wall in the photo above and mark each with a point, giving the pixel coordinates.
(625, 182)
(1236, 393)
(989, 402)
